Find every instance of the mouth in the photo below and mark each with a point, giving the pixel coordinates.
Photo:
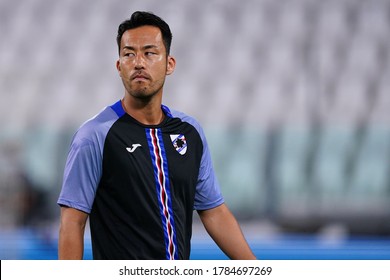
(140, 76)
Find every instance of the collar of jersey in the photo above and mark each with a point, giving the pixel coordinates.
(118, 109)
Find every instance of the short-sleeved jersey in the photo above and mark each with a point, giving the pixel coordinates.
(139, 183)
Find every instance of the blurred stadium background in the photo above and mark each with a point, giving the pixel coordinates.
(293, 95)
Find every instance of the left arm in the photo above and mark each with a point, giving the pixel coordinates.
(224, 229)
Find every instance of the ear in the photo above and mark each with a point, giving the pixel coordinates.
(171, 65)
(118, 67)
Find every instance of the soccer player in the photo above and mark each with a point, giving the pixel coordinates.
(138, 169)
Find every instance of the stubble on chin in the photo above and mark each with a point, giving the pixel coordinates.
(142, 93)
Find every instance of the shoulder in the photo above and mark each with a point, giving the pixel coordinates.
(188, 119)
(96, 128)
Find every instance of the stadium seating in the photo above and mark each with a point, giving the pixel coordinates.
(315, 74)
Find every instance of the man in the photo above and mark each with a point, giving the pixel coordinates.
(139, 169)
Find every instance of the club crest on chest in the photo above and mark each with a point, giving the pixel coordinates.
(179, 143)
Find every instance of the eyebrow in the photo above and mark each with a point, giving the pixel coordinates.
(146, 47)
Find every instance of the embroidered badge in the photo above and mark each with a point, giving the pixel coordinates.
(179, 142)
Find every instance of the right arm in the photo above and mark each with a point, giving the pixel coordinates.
(71, 234)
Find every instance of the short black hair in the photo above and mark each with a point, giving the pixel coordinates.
(139, 19)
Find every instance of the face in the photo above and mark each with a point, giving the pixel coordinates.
(143, 63)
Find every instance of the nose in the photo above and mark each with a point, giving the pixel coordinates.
(139, 62)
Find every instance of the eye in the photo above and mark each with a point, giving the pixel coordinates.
(150, 53)
(128, 54)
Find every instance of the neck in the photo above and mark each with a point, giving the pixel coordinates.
(148, 113)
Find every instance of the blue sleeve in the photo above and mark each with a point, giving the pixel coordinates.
(208, 193)
(83, 167)
(81, 176)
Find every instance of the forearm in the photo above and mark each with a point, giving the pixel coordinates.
(226, 232)
(71, 234)
(71, 243)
